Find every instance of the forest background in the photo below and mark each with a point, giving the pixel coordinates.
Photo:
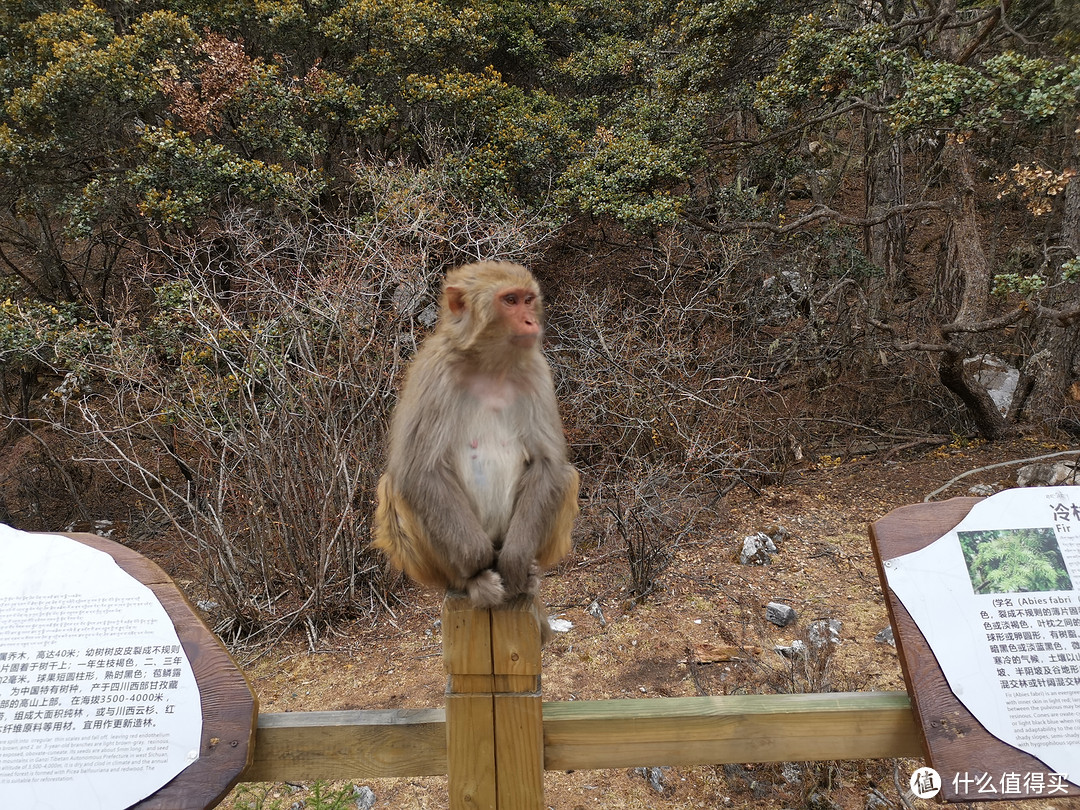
(773, 234)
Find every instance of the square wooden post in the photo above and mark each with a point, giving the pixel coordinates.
(519, 721)
(494, 720)
(470, 705)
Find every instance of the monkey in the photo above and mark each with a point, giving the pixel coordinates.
(477, 494)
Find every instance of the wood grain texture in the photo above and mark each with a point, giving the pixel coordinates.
(519, 743)
(495, 739)
(229, 706)
(470, 751)
(470, 707)
(735, 728)
(953, 741)
(519, 720)
(578, 735)
(370, 744)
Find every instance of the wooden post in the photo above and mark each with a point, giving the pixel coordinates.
(470, 705)
(519, 714)
(494, 717)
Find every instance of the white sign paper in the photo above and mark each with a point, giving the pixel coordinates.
(98, 703)
(998, 600)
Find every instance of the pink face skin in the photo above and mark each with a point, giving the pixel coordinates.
(517, 306)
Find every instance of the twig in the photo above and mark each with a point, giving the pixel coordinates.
(882, 455)
(905, 795)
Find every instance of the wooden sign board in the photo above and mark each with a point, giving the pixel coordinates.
(229, 706)
(973, 764)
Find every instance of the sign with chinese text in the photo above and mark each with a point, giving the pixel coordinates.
(997, 601)
(98, 704)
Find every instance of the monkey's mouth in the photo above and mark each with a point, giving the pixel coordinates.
(524, 341)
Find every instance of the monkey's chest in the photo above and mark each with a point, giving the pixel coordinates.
(490, 462)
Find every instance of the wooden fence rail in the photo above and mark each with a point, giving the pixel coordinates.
(496, 737)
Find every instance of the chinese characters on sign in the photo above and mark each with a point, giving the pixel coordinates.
(996, 600)
(98, 703)
(1009, 784)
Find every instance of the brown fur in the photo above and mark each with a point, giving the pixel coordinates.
(478, 494)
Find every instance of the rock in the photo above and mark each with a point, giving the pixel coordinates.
(784, 293)
(779, 614)
(1048, 475)
(429, 315)
(886, 636)
(796, 650)
(777, 533)
(594, 610)
(982, 490)
(365, 797)
(825, 631)
(1034, 475)
(996, 376)
(755, 551)
(654, 776)
(561, 625)
(791, 773)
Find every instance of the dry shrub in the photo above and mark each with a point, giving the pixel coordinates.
(251, 407)
(649, 369)
(650, 525)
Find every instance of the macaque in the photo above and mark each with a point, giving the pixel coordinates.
(478, 495)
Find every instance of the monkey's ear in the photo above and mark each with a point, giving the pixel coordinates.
(455, 299)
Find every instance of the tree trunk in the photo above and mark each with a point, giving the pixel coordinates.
(885, 241)
(988, 420)
(1057, 347)
(965, 261)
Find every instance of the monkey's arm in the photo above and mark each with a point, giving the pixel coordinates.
(546, 501)
(539, 532)
(451, 528)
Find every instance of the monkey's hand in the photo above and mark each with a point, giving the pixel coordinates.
(486, 589)
(518, 570)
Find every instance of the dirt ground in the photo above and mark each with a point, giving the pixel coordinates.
(707, 608)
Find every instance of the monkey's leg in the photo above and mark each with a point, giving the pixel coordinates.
(400, 533)
(538, 511)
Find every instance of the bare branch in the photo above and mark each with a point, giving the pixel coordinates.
(1008, 319)
(1063, 317)
(911, 345)
(1011, 463)
(816, 214)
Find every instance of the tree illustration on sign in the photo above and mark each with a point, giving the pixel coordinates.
(1014, 561)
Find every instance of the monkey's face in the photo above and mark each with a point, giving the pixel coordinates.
(519, 310)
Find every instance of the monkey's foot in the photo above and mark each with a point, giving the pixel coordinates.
(486, 589)
(532, 584)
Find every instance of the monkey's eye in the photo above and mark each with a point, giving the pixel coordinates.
(510, 299)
